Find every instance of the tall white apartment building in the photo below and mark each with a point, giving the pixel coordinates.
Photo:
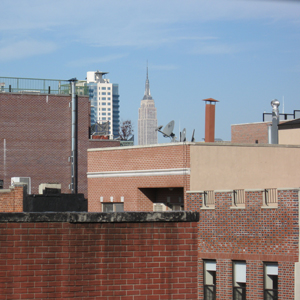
(147, 122)
(104, 97)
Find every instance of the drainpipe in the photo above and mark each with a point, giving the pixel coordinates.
(73, 138)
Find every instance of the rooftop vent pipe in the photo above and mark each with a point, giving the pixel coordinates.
(275, 121)
(210, 108)
(74, 138)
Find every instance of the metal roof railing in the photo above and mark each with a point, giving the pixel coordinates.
(41, 86)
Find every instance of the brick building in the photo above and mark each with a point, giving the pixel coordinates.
(35, 139)
(248, 233)
(98, 256)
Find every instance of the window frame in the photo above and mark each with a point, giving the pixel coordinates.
(114, 205)
(267, 294)
(209, 290)
(239, 287)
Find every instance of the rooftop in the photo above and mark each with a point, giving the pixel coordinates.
(40, 86)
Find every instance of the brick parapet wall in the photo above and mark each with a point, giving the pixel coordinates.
(140, 158)
(254, 234)
(250, 133)
(11, 200)
(128, 260)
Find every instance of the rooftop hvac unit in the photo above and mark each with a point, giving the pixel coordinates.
(25, 180)
(159, 207)
(177, 207)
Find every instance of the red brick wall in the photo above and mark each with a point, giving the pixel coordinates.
(138, 261)
(253, 234)
(249, 133)
(37, 133)
(11, 200)
(132, 159)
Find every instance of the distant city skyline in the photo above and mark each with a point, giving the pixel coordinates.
(244, 53)
(147, 122)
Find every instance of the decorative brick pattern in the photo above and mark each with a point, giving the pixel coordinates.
(117, 261)
(253, 234)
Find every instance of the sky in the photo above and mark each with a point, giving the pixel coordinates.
(244, 53)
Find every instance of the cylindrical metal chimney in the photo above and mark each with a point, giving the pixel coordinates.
(73, 138)
(275, 121)
(210, 108)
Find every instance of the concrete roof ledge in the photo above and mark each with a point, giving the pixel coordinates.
(86, 217)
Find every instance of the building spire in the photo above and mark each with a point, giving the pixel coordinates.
(147, 95)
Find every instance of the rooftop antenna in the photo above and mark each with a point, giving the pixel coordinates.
(193, 139)
(183, 135)
(168, 131)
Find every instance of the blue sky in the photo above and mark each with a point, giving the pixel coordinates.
(243, 53)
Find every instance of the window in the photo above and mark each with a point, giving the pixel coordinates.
(208, 198)
(209, 268)
(103, 93)
(239, 280)
(270, 197)
(103, 114)
(103, 88)
(108, 109)
(108, 93)
(112, 207)
(108, 88)
(238, 198)
(108, 98)
(270, 281)
(108, 114)
(109, 119)
(104, 108)
(104, 119)
(103, 98)
(103, 103)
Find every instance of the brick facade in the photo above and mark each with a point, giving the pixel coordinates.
(254, 234)
(107, 261)
(250, 133)
(11, 200)
(36, 139)
(139, 191)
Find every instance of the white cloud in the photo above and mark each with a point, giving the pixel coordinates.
(164, 67)
(131, 23)
(95, 60)
(24, 48)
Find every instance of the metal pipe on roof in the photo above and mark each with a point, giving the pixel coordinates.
(73, 138)
(275, 121)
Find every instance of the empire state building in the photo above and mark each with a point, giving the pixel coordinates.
(147, 122)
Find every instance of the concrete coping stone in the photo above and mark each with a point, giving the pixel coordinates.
(89, 217)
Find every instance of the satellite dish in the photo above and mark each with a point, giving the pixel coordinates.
(193, 139)
(183, 135)
(168, 130)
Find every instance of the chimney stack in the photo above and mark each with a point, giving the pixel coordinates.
(275, 121)
(210, 107)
